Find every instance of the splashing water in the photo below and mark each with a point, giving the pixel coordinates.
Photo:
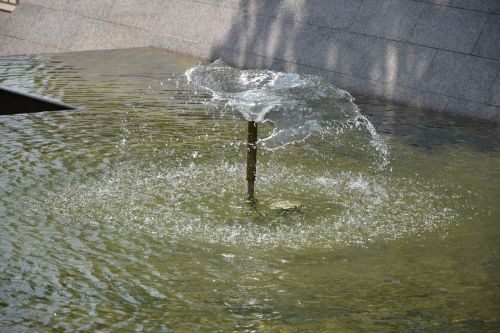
(297, 105)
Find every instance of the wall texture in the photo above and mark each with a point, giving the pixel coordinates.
(443, 55)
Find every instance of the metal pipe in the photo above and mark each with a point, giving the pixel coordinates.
(251, 160)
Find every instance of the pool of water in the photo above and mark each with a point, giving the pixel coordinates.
(129, 214)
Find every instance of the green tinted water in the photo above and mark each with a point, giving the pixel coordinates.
(130, 214)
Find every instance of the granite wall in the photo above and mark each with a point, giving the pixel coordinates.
(443, 55)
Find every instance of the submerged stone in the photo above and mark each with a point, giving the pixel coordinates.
(285, 205)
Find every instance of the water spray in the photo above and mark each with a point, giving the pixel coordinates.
(297, 106)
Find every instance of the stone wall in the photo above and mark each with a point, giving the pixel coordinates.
(443, 55)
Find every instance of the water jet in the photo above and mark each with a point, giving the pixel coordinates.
(296, 106)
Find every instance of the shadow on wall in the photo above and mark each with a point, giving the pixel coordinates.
(337, 40)
(316, 36)
(380, 48)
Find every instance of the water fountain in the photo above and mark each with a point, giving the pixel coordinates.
(130, 213)
(296, 105)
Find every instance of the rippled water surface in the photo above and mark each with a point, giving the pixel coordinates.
(129, 214)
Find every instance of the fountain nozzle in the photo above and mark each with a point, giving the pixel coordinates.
(251, 160)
